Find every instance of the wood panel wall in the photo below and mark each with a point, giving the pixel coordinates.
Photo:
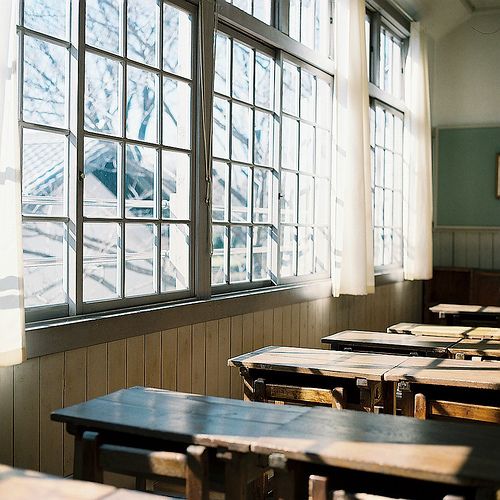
(467, 247)
(191, 358)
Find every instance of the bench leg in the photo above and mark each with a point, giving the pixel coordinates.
(338, 398)
(389, 397)
(197, 473)
(420, 406)
(259, 390)
(407, 403)
(86, 459)
(318, 488)
(290, 481)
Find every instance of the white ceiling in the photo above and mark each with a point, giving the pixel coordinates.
(441, 16)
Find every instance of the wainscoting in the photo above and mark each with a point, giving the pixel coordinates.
(473, 247)
(190, 358)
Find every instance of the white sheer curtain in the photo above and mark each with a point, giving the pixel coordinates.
(11, 263)
(352, 243)
(418, 156)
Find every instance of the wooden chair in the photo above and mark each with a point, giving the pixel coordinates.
(425, 408)
(281, 393)
(143, 464)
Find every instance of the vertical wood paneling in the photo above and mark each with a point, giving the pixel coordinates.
(117, 369)
(152, 363)
(247, 332)
(26, 414)
(303, 322)
(199, 347)
(258, 329)
(496, 250)
(295, 325)
(224, 389)
(278, 326)
(486, 250)
(135, 361)
(236, 349)
(472, 240)
(75, 377)
(51, 398)
(7, 415)
(312, 323)
(287, 325)
(97, 362)
(268, 327)
(212, 357)
(184, 362)
(445, 248)
(169, 359)
(460, 249)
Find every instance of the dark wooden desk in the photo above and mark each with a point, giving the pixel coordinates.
(19, 484)
(383, 449)
(461, 389)
(472, 348)
(465, 314)
(295, 374)
(461, 332)
(390, 343)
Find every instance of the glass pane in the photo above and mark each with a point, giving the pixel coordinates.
(305, 241)
(44, 173)
(389, 130)
(398, 134)
(221, 128)
(44, 90)
(398, 210)
(140, 180)
(142, 107)
(175, 179)
(322, 27)
(142, 30)
(100, 261)
(241, 131)
(177, 41)
(219, 255)
(397, 248)
(174, 257)
(387, 208)
(323, 153)
(263, 138)
(103, 24)
(176, 113)
(290, 88)
(240, 193)
(264, 81)
(387, 247)
(262, 10)
(294, 19)
(101, 178)
(379, 207)
(396, 86)
(372, 126)
(288, 197)
(380, 129)
(321, 250)
(288, 250)
(389, 170)
(242, 72)
(322, 205)
(245, 5)
(307, 19)
(378, 247)
(239, 254)
(307, 96)
(47, 16)
(262, 195)
(324, 104)
(306, 199)
(398, 172)
(102, 94)
(306, 163)
(261, 254)
(220, 179)
(44, 248)
(139, 259)
(222, 63)
(379, 166)
(289, 143)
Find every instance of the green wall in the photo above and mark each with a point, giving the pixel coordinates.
(467, 177)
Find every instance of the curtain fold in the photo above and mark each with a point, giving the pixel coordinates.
(418, 158)
(352, 233)
(12, 349)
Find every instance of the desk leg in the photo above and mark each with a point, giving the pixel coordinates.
(290, 481)
(389, 397)
(86, 457)
(369, 395)
(318, 486)
(407, 403)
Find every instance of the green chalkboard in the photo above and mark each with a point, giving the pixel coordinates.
(467, 177)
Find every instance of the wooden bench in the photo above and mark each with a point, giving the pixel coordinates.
(418, 329)
(465, 314)
(316, 377)
(447, 388)
(390, 343)
(476, 349)
(19, 484)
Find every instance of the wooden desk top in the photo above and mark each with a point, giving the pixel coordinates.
(175, 416)
(455, 308)
(430, 450)
(474, 347)
(482, 332)
(448, 372)
(17, 484)
(383, 339)
(319, 362)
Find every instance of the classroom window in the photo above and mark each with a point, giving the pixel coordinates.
(261, 9)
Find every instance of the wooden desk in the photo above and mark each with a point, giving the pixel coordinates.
(452, 388)
(390, 343)
(472, 348)
(456, 332)
(464, 314)
(19, 484)
(170, 421)
(294, 374)
(391, 455)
